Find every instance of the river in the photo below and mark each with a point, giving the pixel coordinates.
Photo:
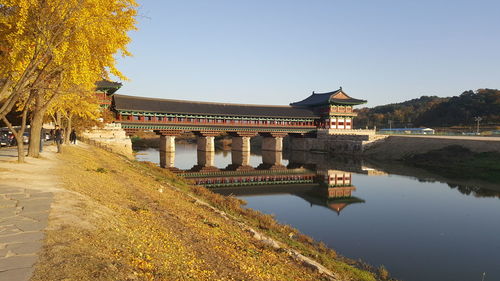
(419, 225)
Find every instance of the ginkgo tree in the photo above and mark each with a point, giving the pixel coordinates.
(23, 107)
(88, 109)
(54, 47)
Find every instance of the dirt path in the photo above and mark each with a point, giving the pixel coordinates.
(26, 195)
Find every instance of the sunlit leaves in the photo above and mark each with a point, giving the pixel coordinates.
(57, 45)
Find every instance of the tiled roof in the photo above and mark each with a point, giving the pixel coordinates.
(336, 97)
(132, 103)
(109, 86)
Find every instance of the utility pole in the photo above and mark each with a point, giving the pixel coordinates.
(390, 124)
(478, 119)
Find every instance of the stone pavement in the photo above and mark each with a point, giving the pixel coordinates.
(26, 195)
(24, 215)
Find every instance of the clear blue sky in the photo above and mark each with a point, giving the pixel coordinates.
(277, 52)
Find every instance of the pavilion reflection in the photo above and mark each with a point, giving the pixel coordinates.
(314, 182)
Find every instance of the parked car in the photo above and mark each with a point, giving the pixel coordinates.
(4, 139)
(26, 138)
(12, 139)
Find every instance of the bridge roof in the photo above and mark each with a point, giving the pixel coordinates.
(122, 102)
(335, 97)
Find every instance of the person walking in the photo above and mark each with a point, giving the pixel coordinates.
(72, 137)
(58, 138)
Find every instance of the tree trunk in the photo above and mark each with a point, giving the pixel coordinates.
(20, 149)
(36, 127)
(19, 134)
(35, 138)
(58, 119)
(68, 129)
(5, 89)
(41, 106)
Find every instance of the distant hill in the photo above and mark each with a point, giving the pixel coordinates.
(433, 111)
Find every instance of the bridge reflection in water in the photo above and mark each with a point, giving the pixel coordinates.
(314, 178)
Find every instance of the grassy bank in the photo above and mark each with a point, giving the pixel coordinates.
(126, 220)
(459, 162)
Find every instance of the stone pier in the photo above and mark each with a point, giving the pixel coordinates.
(240, 144)
(240, 158)
(241, 141)
(167, 143)
(206, 158)
(272, 158)
(167, 159)
(205, 143)
(272, 142)
(167, 151)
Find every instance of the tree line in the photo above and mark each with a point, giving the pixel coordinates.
(433, 111)
(51, 55)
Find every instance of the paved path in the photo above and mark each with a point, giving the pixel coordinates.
(26, 195)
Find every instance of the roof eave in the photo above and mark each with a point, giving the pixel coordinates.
(358, 102)
(212, 114)
(301, 105)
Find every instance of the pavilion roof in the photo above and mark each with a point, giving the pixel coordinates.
(109, 87)
(133, 103)
(334, 97)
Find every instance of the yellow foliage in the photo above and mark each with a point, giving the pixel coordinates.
(62, 45)
(83, 105)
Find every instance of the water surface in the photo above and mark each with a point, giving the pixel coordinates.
(418, 229)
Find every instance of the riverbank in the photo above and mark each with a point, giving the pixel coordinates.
(397, 147)
(379, 229)
(458, 162)
(126, 220)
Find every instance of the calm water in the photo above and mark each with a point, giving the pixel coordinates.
(418, 229)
